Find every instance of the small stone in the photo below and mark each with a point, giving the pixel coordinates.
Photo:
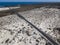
(48, 43)
(36, 43)
(35, 33)
(12, 33)
(7, 41)
(49, 28)
(13, 38)
(37, 40)
(10, 41)
(58, 40)
(19, 31)
(27, 33)
(22, 25)
(56, 29)
(2, 42)
(28, 24)
(23, 28)
(30, 42)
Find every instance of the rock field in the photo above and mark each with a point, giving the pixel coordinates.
(16, 31)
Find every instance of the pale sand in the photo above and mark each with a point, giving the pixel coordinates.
(7, 8)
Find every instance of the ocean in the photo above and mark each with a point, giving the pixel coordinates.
(18, 3)
(4, 4)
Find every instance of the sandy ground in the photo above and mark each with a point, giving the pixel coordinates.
(15, 31)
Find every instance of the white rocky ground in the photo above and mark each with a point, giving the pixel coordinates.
(15, 31)
(45, 18)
